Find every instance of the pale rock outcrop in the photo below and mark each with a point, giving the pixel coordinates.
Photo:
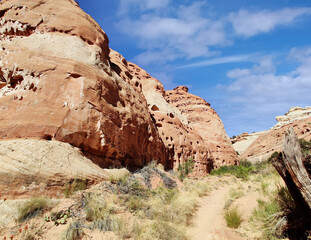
(294, 114)
(244, 140)
(29, 165)
(205, 121)
(57, 83)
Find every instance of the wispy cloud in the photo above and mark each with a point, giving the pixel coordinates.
(183, 33)
(257, 94)
(250, 23)
(221, 60)
(166, 31)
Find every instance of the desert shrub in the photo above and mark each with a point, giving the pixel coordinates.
(278, 217)
(74, 185)
(245, 163)
(305, 147)
(269, 218)
(32, 208)
(242, 171)
(233, 218)
(73, 232)
(185, 168)
(109, 223)
(201, 187)
(131, 186)
(97, 208)
(273, 156)
(176, 207)
(135, 203)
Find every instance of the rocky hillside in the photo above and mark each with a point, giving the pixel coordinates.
(59, 80)
(259, 146)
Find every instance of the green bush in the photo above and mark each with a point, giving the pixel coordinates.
(185, 168)
(269, 218)
(242, 171)
(233, 218)
(32, 208)
(273, 156)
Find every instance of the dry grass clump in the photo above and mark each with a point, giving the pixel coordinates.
(161, 230)
(97, 208)
(32, 208)
(233, 218)
(172, 206)
(272, 216)
(234, 194)
(74, 231)
(201, 187)
(74, 185)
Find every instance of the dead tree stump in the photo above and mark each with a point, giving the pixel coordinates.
(293, 172)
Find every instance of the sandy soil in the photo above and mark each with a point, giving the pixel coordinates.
(209, 223)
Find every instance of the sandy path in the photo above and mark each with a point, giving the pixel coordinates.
(209, 223)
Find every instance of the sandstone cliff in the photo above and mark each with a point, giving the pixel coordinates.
(205, 121)
(258, 147)
(181, 141)
(57, 83)
(60, 81)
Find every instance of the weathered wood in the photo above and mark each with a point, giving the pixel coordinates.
(293, 172)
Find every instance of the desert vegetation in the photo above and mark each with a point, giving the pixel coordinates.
(154, 204)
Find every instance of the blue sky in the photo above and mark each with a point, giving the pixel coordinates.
(250, 59)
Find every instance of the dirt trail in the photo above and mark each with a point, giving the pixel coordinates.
(209, 223)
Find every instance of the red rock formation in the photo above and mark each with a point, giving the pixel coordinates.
(205, 121)
(57, 82)
(181, 142)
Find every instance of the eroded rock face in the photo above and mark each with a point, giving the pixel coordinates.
(187, 124)
(205, 121)
(57, 83)
(257, 147)
(59, 80)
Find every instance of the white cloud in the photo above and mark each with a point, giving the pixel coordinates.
(155, 57)
(248, 24)
(258, 93)
(238, 73)
(300, 54)
(183, 33)
(221, 60)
